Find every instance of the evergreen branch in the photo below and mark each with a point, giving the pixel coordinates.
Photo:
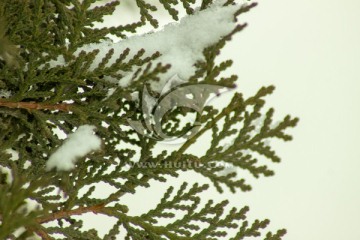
(149, 228)
(100, 208)
(64, 107)
(41, 233)
(68, 213)
(67, 72)
(226, 111)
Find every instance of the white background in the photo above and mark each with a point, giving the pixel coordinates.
(310, 50)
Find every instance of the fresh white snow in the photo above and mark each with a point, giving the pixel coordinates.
(180, 44)
(78, 144)
(4, 93)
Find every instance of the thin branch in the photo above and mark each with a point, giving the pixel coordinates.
(37, 106)
(66, 214)
(208, 126)
(43, 234)
(37, 229)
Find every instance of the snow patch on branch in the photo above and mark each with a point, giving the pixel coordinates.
(77, 145)
(180, 44)
(14, 156)
(5, 93)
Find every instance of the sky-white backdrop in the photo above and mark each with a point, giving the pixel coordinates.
(310, 50)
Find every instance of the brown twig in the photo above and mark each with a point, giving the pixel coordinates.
(65, 214)
(38, 231)
(41, 233)
(37, 106)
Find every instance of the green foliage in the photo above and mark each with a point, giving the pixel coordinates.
(45, 97)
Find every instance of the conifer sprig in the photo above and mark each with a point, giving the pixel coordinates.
(55, 88)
